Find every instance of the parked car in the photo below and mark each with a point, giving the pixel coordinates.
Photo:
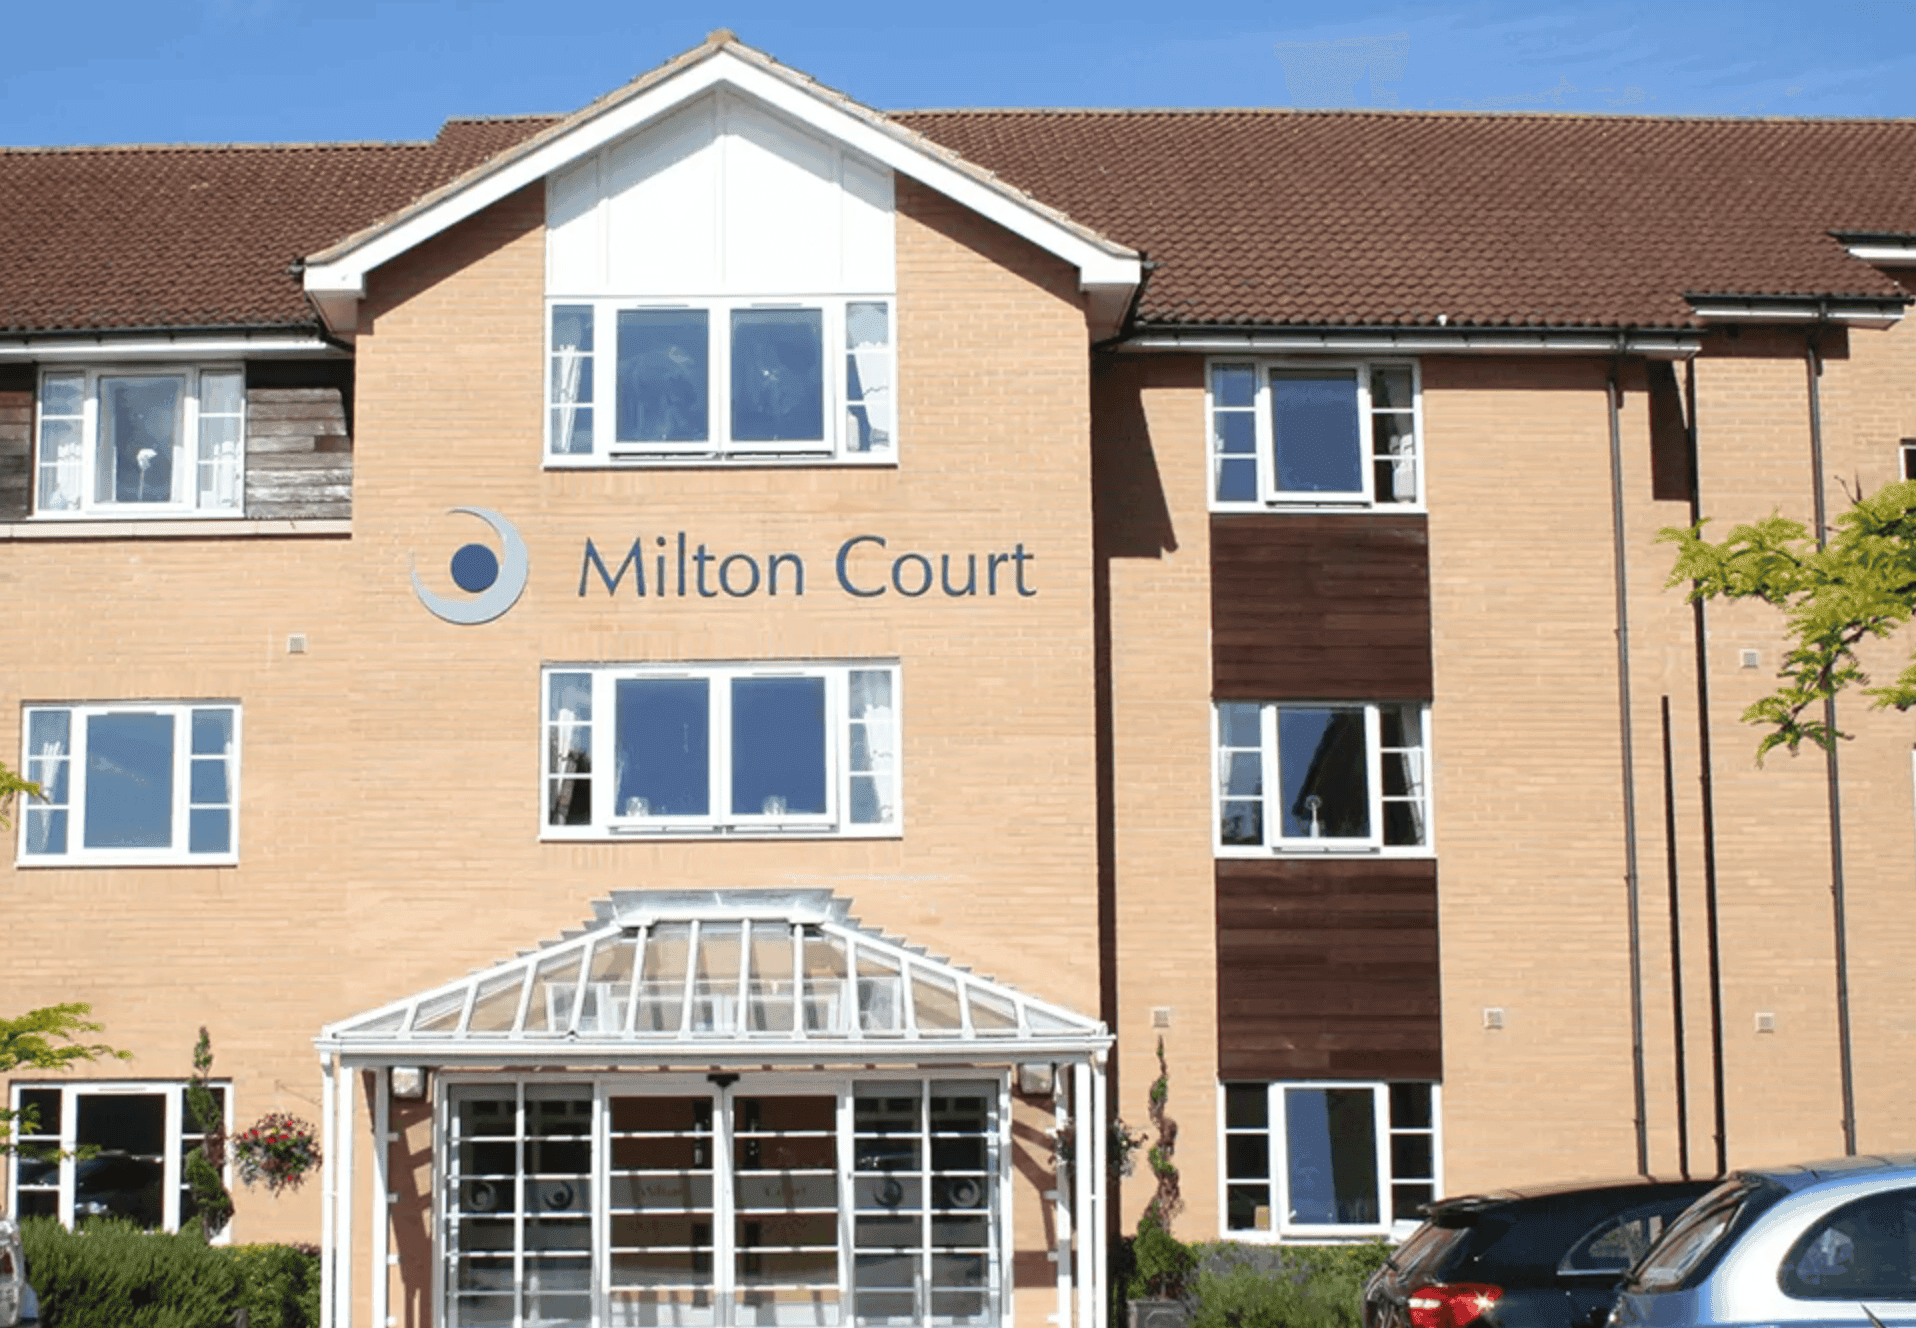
(1824, 1243)
(1545, 1257)
(18, 1305)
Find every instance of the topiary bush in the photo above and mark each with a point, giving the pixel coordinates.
(111, 1274)
(1282, 1286)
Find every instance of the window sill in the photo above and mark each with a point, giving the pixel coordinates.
(27, 863)
(717, 834)
(738, 461)
(1258, 852)
(98, 528)
(1320, 509)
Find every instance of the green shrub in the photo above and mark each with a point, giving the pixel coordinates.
(1282, 1286)
(113, 1275)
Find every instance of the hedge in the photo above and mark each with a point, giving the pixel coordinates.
(1234, 1285)
(112, 1274)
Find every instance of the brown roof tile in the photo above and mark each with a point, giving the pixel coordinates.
(1325, 218)
(117, 238)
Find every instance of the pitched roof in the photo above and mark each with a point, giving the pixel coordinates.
(120, 238)
(1393, 218)
(1250, 218)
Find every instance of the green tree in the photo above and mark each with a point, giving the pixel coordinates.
(50, 1038)
(10, 784)
(1860, 585)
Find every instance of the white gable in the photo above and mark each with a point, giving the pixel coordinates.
(722, 197)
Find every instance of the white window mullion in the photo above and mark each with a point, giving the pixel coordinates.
(1380, 1114)
(1266, 439)
(1374, 775)
(1277, 1123)
(1366, 466)
(1273, 776)
(171, 1167)
(718, 800)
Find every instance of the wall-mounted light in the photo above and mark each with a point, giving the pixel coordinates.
(409, 1081)
(1036, 1078)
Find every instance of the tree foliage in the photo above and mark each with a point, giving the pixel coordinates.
(212, 1202)
(50, 1038)
(11, 784)
(1860, 586)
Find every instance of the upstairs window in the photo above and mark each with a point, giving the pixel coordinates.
(800, 749)
(722, 380)
(141, 442)
(131, 784)
(1299, 777)
(1329, 1159)
(1314, 435)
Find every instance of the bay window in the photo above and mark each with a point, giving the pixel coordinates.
(1310, 434)
(140, 442)
(1329, 1159)
(131, 783)
(793, 749)
(720, 380)
(1324, 777)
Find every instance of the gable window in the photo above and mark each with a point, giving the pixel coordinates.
(1296, 434)
(106, 1150)
(139, 442)
(799, 749)
(1298, 776)
(1328, 1159)
(131, 783)
(720, 380)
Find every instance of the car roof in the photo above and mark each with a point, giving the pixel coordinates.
(1800, 1175)
(1557, 1189)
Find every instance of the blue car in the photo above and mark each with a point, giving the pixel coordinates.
(1821, 1245)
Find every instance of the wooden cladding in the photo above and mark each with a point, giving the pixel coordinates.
(16, 439)
(1327, 969)
(1328, 606)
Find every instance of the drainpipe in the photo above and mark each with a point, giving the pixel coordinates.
(1676, 950)
(1813, 362)
(1614, 395)
(1706, 778)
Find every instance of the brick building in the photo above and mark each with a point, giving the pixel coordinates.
(736, 664)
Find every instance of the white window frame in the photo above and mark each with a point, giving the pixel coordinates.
(1270, 497)
(604, 1086)
(173, 1174)
(835, 822)
(719, 448)
(192, 458)
(1274, 842)
(40, 768)
(1386, 1226)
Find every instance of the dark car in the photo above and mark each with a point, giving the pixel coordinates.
(1547, 1257)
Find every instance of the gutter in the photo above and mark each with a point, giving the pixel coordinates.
(1666, 345)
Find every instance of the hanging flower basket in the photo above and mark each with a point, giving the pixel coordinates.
(277, 1152)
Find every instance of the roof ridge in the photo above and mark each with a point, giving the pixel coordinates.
(81, 149)
(1404, 113)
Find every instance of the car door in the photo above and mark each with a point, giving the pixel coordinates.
(1854, 1267)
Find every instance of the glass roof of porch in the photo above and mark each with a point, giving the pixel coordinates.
(743, 973)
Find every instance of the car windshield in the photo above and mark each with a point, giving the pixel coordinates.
(1688, 1241)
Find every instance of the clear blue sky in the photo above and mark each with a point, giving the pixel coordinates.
(151, 71)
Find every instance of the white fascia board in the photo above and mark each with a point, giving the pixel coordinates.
(1853, 315)
(103, 348)
(1097, 264)
(1655, 346)
(1884, 255)
(444, 1053)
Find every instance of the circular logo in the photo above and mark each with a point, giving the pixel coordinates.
(493, 580)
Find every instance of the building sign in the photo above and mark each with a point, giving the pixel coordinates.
(863, 566)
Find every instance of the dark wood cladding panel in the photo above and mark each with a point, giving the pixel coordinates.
(1327, 606)
(299, 451)
(1327, 969)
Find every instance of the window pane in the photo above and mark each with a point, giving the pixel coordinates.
(1394, 476)
(1237, 479)
(1246, 1106)
(1314, 419)
(1326, 793)
(778, 746)
(572, 378)
(664, 357)
(1233, 385)
(1331, 1155)
(868, 375)
(129, 781)
(1410, 1107)
(1390, 387)
(48, 752)
(139, 438)
(1236, 432)
(1237, 724)
(209, 830)
(778, 375)
(44, 1103)
(123, 1179)
(569, 749)
(1247, 1156)
(1410, 1156)
(221, 392)
(663, 747)
(212, 732)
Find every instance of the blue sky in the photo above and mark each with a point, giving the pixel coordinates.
(123, 71)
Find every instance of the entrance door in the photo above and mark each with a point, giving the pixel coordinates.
(723, 1209)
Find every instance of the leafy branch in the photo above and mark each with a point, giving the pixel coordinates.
(1861, 586)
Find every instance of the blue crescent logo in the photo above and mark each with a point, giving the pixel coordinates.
(494, 580)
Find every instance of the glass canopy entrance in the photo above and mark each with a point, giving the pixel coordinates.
(722, 1110)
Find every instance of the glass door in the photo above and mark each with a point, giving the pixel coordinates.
(662, 1210)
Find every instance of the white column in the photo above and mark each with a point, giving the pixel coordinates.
(343, 1131)
(1100, 1216)
(329, 1172)
(1084, 1182)
(382, 1191)
(1062, 1233)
